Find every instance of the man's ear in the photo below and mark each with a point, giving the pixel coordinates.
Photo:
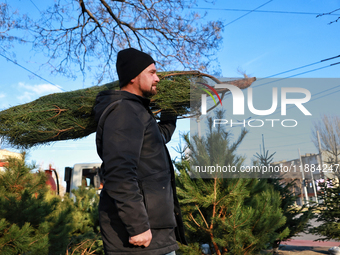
(134, 80)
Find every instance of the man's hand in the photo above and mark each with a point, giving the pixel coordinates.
(141, 239)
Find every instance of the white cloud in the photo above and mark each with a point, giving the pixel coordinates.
(41, 89)
(26, 96)
(2, 95)
(31, 92)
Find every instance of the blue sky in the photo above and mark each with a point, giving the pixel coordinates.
(272, 39)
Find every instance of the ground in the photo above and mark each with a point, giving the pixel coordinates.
(300, 250)
(305, 244)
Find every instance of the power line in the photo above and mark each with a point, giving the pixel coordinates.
(247, 13)
(326, 90)
(323, 91)
(330, 58)
(35, 5)
(332, 93)
(294, 69)
(313, 70)
(263, 11)
(31, 72)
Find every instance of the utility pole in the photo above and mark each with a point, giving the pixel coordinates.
(303, 179)
(315, 193)
(320, 154)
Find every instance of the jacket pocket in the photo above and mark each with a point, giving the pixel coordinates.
(159, 202)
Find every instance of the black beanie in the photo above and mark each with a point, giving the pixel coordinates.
(130, 63)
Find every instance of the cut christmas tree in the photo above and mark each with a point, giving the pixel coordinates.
(68, 115)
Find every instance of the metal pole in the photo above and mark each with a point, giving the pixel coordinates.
(315, 193)
(321, 161)
(320, 154)
(303, 179)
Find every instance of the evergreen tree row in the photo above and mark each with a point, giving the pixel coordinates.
(33, 221)
(231, 215)
(226, 215)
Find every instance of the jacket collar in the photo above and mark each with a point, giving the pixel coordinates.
(143, 100)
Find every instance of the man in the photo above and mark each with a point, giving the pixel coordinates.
(138, 210)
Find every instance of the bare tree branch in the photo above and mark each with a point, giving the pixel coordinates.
(76, 32)
(329, 130)
(329, 13)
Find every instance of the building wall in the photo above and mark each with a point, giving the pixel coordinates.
(314, 172)
(4, 154)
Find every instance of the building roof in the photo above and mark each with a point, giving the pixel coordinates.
(4, 154)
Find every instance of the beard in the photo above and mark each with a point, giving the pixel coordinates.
(149, 92)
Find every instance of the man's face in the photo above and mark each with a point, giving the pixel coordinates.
(148, 81)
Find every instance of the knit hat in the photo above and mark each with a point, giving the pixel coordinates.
(130, 63)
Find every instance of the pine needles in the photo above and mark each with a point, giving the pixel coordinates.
(68, 115)
(59, 116)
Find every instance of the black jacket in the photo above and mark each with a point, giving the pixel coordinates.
(139, 191)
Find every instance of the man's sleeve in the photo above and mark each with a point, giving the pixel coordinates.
(122, 143)
(167, 125)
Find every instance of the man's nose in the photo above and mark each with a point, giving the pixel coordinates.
(156, 78)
